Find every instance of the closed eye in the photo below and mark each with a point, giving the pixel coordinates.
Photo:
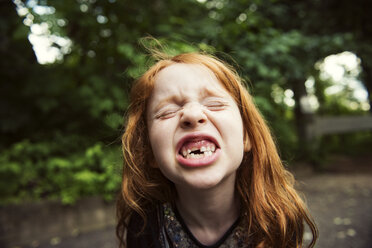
(216, 105)
(166, 114)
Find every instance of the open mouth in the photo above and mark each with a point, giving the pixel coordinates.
(197, 149)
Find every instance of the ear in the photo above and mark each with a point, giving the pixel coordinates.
(247, 142)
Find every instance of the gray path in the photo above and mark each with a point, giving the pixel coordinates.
(342, 208)
(340, 203)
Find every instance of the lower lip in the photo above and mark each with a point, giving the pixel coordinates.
(198, 162)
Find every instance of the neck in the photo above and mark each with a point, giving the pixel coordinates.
(209, 213)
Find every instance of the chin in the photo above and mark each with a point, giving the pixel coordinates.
(205, 184)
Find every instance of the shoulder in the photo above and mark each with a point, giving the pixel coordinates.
(142, 233)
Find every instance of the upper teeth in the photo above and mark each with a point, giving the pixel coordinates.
(205, 149)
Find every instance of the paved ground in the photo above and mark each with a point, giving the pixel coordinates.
(340, 200)
(342, 208)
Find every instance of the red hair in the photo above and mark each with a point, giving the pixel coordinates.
(275, 213)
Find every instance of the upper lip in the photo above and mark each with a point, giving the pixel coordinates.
(195, 137)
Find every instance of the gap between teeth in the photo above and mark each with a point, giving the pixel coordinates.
(201, 155)
(206, 151)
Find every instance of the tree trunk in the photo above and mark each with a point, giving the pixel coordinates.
(367, 79)
(303, 117)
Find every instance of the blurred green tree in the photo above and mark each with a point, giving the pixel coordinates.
(61, 121)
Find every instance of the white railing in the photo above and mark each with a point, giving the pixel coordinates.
(338, 124)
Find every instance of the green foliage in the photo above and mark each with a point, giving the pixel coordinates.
(353, 144)
(55, 118)
(44, 170)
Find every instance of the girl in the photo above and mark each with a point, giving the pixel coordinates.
(201, 167)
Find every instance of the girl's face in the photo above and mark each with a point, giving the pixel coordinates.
(195, 127)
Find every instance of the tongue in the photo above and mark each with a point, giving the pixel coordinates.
(197, 144)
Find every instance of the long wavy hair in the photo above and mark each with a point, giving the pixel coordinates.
(275, 213)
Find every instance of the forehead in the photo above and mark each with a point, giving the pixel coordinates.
(187, 77)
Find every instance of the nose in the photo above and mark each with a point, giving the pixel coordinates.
(193, 116)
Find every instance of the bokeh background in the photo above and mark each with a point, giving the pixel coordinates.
(67, 67)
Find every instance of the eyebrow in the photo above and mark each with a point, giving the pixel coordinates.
(163, 102)
(208, 92)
